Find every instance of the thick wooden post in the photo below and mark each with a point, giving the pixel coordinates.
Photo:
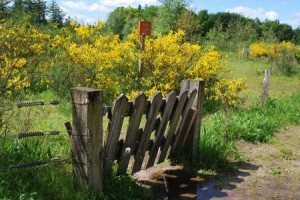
(87, 136)
(265, 87)
(194, 136)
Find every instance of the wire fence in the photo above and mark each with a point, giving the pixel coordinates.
(35, 163)
(31, 134)
(25, 135)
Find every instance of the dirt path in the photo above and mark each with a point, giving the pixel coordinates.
(270, 171)
(274, 171)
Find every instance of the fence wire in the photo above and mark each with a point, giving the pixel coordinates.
(36, 163)
(29, 103)
(31, 134)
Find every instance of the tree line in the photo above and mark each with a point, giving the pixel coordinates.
(227, 31)
(37, 11)
(222, 29)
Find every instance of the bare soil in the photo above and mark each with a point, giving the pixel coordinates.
(270, 171)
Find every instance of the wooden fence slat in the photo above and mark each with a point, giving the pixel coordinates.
(118, 110)
(156, 103)
(173, 125)
(87, 136)
(170, 101)
(185, 116)
(192, 144)
(184, 133)
(132, 133)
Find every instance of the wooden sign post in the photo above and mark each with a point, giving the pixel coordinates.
(144, 29)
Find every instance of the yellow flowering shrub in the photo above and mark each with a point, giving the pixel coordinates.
(226, 91)
(272, 51)
(21, 47)
(106, 62)
(81, 55)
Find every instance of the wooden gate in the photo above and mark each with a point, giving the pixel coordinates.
(155, 129)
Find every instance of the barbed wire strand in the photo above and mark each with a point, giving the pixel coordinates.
(31, 134)
(36, 163)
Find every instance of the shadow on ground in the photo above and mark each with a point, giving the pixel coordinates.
(177, 183)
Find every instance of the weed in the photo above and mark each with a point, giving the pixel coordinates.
(275, 171)
(286, 154)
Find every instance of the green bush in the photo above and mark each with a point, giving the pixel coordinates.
(297, 55)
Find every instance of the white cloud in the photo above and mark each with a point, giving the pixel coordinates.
(78, 17)
(295, 22)
(82, 5)
(75, 5)
(133, 3)
(259, 13)
(105, 5)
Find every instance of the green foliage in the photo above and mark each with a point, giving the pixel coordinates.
(188, 22)
(254, 124)
(55, 13)
(297, 55)
(54, 181)
(285, 62)
(238, 34)
(124, 187)
(214, 148)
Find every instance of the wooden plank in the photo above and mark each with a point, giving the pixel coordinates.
(187, 125)
(170, 101)
(185, 115)
(118, 109)
(156, 103)
(192, 145)
(173, 125)
(132, 133)
(87, 136)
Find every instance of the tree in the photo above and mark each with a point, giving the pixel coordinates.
(168, 14)
(296, 38)
(116, 20)
(39, 8)
(4, 10)
(122, 20)
(55, 13)
(206, 22)
(149, 13)
(284, 32)
(188, 22)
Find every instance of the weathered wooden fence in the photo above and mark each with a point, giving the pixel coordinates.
(156, 129)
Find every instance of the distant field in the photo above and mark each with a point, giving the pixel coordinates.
(253, 73)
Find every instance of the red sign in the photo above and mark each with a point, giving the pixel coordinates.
(144, 28)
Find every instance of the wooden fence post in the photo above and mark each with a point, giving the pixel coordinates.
(87, 137)
(265, 87)
(194, 136)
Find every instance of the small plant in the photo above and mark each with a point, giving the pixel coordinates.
(284, 62)
(275, 171)
(286, 154)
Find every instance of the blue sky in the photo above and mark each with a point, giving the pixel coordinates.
(287, 11)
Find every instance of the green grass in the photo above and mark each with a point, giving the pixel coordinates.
(53, 181)
(250, 122)
(219, 133)
(253, 73)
